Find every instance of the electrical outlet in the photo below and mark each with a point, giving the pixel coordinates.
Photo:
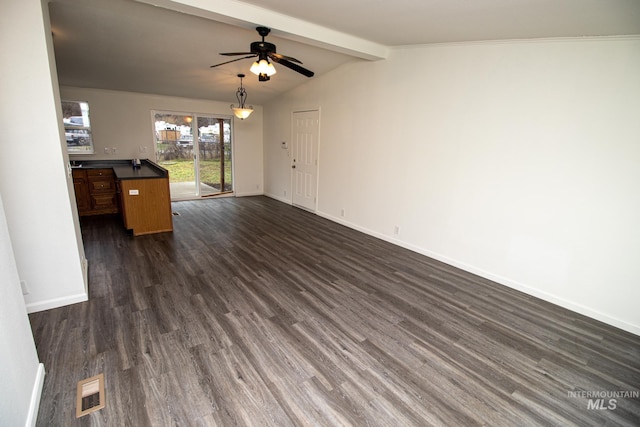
(114, 150)
(396, 230)
(107, 150)
(342, 212)
(285, 193)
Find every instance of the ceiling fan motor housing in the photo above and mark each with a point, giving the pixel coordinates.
(263, 47)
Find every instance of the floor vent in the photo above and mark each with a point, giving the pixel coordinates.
(90, 395)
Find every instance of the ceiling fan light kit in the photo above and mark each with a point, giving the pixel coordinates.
(241, 111)
(266, 51)
(263, 67)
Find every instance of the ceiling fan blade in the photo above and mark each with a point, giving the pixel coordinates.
(278, 57)
(295, 67)
(236, 53)
(233, 60)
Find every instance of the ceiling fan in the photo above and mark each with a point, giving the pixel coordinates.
(265, 51)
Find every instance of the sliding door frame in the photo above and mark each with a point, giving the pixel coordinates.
(220, 118)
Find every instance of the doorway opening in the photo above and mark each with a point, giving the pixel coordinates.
(196, 150)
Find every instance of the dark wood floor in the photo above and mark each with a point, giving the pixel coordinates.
(254, 313)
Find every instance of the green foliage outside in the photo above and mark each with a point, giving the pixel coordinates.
(181, 170)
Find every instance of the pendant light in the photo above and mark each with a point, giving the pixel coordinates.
(241, 111)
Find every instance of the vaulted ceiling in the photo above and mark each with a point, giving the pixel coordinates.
(166, 47)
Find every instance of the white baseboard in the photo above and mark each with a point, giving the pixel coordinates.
(36, 394)
(56, 302)
(249, 193)
(280, 199)
(554, 299)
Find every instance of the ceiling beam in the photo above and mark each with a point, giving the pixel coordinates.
(248, 16)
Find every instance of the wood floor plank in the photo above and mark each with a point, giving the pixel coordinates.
(255, 313)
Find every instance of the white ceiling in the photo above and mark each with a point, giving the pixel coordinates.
(167, 49)
(407, 22)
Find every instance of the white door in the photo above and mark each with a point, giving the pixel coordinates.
(304, 159)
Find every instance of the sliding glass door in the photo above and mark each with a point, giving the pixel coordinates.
(196, 150)
(214, 154)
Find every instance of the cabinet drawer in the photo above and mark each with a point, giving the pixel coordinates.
(91, 173)
(98, 185)
(105, 203)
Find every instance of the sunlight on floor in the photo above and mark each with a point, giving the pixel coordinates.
(187, 190)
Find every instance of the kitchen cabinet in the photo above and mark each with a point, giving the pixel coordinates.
(82, 191)
(95, 191)
(102, 191)
(140, 193)
(146, 205)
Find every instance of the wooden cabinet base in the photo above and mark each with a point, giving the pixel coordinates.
(146, 205)
(95, 191)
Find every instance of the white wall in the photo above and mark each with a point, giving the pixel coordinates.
(518, 161)
(35, 186)
(21, 375)
(122, 120)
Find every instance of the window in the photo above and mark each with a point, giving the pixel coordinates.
(77, 128)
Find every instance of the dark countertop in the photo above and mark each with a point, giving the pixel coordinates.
(123, 169)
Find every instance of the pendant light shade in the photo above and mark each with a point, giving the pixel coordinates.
(241, 111)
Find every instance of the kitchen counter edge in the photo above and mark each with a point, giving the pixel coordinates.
(123, 169)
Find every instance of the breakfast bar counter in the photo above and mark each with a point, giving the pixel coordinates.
(140, 193)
